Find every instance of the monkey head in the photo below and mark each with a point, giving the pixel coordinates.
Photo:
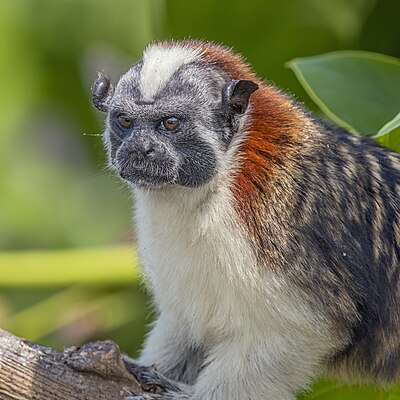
(171, 117)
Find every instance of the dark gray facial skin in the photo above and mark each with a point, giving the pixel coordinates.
(178, 136)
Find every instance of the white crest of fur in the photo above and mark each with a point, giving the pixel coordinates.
(160, 63)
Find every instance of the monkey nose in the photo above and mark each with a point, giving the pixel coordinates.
(142, 148)
(149, 151)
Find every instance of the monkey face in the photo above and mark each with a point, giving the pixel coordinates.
(153, 146)
(170, 118)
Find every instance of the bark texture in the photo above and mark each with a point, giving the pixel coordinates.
(95, 371)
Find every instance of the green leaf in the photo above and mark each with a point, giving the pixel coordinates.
(357, 90)
(62, 267)
(391, 126)
(389, 135)
(328, 390)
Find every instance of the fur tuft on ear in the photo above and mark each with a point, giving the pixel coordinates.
(102, 91)
(236, 95)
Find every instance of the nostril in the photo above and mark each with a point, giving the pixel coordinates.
(149, 152)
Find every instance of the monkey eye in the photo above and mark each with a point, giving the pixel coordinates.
(125, 121)
(171, 123)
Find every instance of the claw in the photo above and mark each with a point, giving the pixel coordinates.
(151, 388)
(143, 396)
(151, 381)
(148, 377)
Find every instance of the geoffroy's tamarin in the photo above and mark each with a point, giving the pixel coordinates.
(270, 239)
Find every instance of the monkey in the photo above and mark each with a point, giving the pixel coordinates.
(269, 238)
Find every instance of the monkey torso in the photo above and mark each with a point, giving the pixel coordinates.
(346, 209)
(270, 240)
(324, 262)
(208, 284)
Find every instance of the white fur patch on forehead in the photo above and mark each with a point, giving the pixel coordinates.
(160, 63)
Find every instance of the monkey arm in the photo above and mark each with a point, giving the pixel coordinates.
(167, 347)
(239, 368)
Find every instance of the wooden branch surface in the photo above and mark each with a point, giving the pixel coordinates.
(95, 371)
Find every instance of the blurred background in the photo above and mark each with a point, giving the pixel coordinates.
(68, 269)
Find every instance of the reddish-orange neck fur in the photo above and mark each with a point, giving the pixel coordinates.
(273, 127)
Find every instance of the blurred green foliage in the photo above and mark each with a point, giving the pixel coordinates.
(55, 191)
(358, 90)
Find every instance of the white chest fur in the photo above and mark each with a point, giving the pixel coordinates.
(203, 271)
(195, 257)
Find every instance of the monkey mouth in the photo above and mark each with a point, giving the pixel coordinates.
(143, 172)
(147, 177)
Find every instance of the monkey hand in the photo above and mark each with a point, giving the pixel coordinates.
(154, 384)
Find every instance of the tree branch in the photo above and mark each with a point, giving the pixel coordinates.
(93, 371)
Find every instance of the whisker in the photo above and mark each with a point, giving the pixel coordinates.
(91, 134)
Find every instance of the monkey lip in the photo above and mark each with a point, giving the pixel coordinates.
(144, 177)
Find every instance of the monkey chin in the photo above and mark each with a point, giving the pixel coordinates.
(141, 180)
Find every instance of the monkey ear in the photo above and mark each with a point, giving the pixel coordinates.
(236, 95)
(102, 91)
